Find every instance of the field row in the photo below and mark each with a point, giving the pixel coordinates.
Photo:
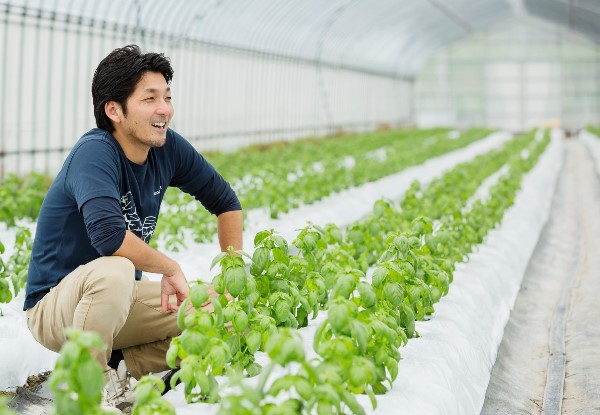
(374, 278)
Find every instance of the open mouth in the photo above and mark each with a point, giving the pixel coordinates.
(160, 125)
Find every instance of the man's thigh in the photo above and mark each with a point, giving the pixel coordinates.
(64, 306)
(48, 319)
(146, 322)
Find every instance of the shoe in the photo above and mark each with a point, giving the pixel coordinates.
(118, 393)
(111, 409)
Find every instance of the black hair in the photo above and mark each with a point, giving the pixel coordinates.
(117, 75)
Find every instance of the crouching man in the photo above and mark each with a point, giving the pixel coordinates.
(91, 243)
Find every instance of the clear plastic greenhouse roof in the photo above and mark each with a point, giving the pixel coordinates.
(391, 37)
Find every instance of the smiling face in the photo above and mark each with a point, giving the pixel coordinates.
(144, 123)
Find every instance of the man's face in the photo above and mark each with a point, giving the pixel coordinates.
(149, 111)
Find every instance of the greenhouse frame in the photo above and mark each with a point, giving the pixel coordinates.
(268, 207)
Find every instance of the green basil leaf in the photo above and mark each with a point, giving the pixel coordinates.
(282, 311)
(260, 259)
(393, 293)
(218, 284)
(359, 333)
(253, 340)
(281, 243)
(367, 295)
(392, 367)
(198, 295)
(172, 354)
(90, 378)
(217, 259)
(202, 380)
(352, 403)
(193, 342)
(235, 281)
(338, 317)
(280, 256)
(253, 369)
(379, 276)
(260, 236)
(181, 313)
(240, 321)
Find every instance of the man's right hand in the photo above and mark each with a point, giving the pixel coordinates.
(174, 284)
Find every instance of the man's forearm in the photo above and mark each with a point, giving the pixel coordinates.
(229, 227)
(144, 257)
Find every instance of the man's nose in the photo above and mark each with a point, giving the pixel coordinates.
(163, 107)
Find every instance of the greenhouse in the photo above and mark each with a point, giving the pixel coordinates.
(270, 207)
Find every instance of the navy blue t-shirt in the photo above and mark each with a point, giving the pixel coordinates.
(97, 170)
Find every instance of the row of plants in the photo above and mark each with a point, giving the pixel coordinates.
(304, 172)
(357, 344)
(260, 174)
(362, 324)
(280, 296)
(367, 321)
(13, 271)
(21, 198)
(594, 130)
(345, 165)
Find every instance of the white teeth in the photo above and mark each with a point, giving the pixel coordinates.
(159, 124)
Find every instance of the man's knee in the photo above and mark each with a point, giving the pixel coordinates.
(113, 273)
(118, 265)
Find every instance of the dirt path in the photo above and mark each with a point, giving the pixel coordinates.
(555, 314)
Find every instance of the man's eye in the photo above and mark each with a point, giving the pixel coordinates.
(149, 99)
(167, 98)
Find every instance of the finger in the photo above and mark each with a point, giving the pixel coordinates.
(164, 302)
(173, 307)
(209, 308)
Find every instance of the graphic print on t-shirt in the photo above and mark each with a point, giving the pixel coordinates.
(134, 223)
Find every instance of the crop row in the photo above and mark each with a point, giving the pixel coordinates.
(304, 172)
(283, 289)
(21, 198)
(414, 249)
(13, 271)
(594, 130)
(366, 323)
(277, 177)
(265, 172)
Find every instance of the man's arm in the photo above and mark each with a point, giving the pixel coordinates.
(229, 228)
(174, 282)
(146, 258)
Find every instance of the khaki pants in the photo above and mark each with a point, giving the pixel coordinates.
(104, 296)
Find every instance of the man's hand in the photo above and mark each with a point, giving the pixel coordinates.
(146, 258)
(175, 284)
(213, 293)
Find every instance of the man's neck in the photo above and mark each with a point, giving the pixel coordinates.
(134, 151)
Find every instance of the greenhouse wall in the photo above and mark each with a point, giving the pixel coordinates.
(523, 74)
(224, 96)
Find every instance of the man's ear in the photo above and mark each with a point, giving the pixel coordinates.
(113, 111)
